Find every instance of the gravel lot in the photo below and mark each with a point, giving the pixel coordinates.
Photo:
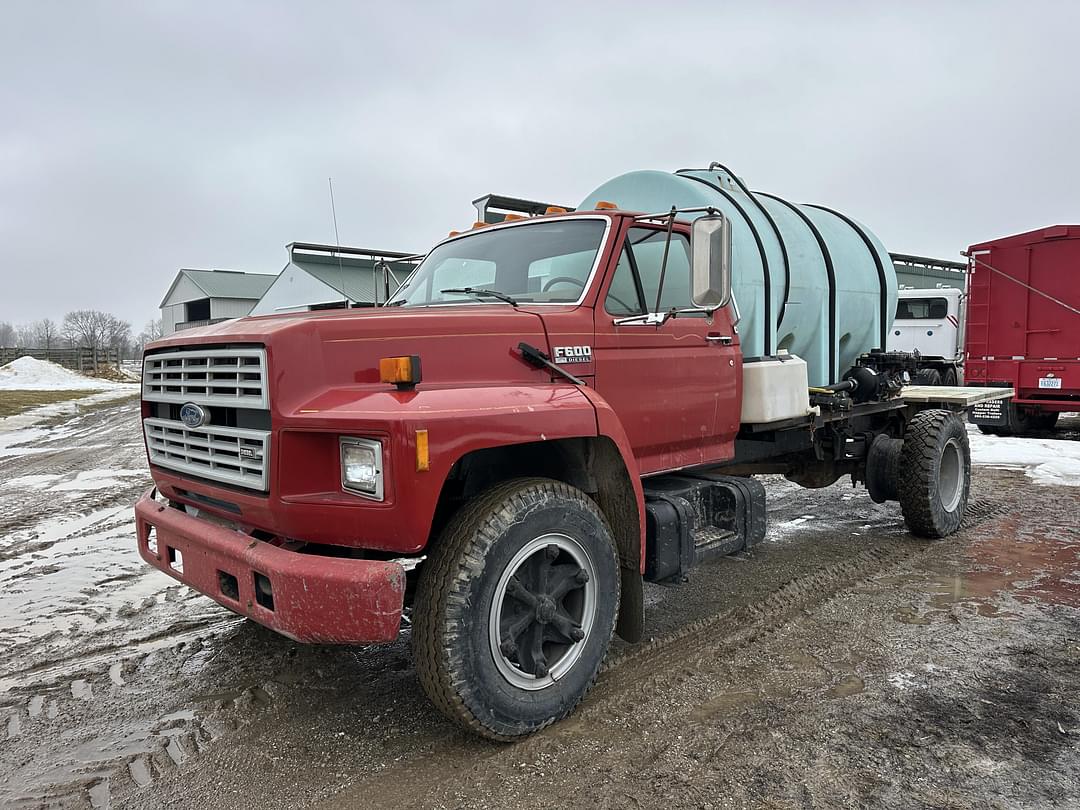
(842, 663)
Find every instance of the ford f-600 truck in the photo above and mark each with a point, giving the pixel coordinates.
(549, 413)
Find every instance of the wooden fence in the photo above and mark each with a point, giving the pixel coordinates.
(75, 359)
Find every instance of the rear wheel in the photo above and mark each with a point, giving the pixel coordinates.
(935, 473)
(516, 608)
(928, 376)
(1046, 420)
(949, 377)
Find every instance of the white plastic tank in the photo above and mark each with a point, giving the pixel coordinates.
(774, 388)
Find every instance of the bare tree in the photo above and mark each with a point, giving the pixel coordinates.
(25, 337)
(7, 334)
(94, 330)
(152, 331)
(46, 333)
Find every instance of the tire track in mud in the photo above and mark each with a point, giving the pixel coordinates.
(665, 663)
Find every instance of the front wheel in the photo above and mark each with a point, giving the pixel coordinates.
(516, 607)
(934, 473)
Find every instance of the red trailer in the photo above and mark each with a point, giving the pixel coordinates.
(1023, 327)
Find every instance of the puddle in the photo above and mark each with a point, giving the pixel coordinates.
(140, 772)
(847, 686)
(723, 703)
(1027, 562)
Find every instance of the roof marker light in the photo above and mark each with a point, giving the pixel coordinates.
(480, 224)
(555, 209)
(604, 205)
(512, 217)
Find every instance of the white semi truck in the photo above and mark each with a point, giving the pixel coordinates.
(931, 322)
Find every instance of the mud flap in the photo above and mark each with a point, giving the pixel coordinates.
(630, 625)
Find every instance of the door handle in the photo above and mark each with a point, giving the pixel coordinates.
(723, 340)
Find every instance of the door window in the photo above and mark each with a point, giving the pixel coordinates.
(637, 277)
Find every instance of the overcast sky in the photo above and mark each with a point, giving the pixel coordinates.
(139, 138)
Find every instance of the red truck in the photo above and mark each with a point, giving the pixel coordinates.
(1023, 328)
(507, 465)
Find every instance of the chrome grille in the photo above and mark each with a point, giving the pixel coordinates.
(232, 455)
(234, 377)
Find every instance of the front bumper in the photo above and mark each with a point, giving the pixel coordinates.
(311, 598)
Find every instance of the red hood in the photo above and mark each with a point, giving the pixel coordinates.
(310, 352)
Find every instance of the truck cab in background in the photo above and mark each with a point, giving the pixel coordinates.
(931, 323)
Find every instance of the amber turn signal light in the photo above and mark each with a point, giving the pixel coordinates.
(404, 372)
(423, 454)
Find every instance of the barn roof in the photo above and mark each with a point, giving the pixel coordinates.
(224, 283)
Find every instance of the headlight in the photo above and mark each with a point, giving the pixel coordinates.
(361, 467)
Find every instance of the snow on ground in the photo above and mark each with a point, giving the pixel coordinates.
(31, 374)
(1047, 461)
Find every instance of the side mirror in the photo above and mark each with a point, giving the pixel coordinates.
(710, 246)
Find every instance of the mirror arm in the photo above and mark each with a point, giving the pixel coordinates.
(663, 263)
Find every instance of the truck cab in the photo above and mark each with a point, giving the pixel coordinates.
(931, 322)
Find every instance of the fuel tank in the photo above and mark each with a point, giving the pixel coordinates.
(805, 278)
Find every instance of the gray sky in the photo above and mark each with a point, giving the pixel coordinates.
(142, 137)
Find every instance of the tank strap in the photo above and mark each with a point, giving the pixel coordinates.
(767, 279)
(833, 372)
(883, 315)
(776, 230)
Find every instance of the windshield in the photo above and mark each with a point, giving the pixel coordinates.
(546, 262)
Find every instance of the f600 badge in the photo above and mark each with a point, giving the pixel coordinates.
(573, 354)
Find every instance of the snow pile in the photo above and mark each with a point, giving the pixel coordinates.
(30, 374)
(1048, 461)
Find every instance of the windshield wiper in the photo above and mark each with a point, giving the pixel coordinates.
(480, 292)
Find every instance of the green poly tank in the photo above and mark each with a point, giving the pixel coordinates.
(805, 278)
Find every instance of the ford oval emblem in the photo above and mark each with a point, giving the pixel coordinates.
(193, 416)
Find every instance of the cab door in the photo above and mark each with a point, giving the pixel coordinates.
(675, 385)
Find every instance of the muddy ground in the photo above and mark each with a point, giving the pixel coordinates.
(843, 663)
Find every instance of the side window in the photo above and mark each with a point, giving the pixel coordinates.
(646, 248)
(921, 308)
(622, 296)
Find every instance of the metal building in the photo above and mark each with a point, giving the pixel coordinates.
(924, 273)
(333, 277)
(201, 297)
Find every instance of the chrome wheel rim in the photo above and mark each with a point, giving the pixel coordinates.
(543, 611)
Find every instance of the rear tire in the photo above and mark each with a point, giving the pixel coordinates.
(949, 378)
(1046, 420)
(516, 607)
(935, 473)
(928, 376)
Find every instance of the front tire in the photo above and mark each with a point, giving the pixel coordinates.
(516, 607)
(935, 473)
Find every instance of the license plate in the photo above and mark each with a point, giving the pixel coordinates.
(1050, 382)
(991, 412)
